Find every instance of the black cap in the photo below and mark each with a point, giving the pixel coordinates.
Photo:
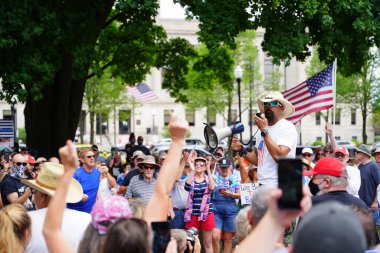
(225, 162)
(95, 147)
(114, 149)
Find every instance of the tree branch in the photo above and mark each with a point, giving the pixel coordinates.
(109, 21)
(102, 68)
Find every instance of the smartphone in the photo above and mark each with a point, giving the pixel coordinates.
(290, 182)
(161, 237)
(6, 157)
(258, 114)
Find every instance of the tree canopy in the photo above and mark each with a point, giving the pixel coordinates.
(49, 49)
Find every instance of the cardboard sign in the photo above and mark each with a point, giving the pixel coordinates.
(246, 191)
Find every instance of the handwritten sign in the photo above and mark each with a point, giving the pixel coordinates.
(246, 191)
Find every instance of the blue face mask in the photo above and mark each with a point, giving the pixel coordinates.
(18, 172)
(183, 177)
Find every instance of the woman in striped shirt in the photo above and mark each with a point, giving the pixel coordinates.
(198, 212)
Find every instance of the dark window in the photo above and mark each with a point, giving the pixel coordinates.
(124, 121)
(211, 118)
(318, 118)
(167, 117)
(353, 116)
(82, 122)
(101, 123)
(7, 114)
(190, 117)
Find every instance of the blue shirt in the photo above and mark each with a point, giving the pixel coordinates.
(90, 184)
(370, 179)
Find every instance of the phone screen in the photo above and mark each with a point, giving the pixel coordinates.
(290, 182)
(161, 237)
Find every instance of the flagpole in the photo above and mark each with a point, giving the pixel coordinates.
(334, 92)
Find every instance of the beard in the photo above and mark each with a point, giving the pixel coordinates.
(148, 175)
(269, 114)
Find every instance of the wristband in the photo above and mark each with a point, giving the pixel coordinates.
(243, 151)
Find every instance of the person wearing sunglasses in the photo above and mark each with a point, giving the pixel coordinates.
(89, 177)
(307, 153)
(12, 189)
(142, 186)
(277, 137)
(199, 208)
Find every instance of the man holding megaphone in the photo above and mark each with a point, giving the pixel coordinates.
(277, 139)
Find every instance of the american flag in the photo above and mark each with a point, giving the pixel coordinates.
(313, 95)
(142, 92)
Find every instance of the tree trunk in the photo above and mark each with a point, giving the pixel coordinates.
(364, 125)
(52, 120)
(92, 127)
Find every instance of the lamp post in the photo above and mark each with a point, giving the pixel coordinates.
(238, 75)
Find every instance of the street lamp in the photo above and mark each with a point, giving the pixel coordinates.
(238, 75)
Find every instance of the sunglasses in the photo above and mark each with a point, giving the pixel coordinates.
(218, 155)
(20, 163)
(272, 104)
(90, 156)
(148, 167)
(200, 164)
(338, 155)
(307, 155)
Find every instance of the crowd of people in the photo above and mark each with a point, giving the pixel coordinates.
(83, 202)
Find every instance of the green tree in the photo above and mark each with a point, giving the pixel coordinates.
(102, 95)
(49, 50)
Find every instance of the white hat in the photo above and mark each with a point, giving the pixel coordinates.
(276, 96)
(48, 180)
(307, 150)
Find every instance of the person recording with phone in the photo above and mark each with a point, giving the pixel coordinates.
(227, 190)
(277, 138)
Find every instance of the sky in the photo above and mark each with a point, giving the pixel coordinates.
(171, 10)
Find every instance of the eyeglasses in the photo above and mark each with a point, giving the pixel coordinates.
(148, 167)
(329, 151)
(218, 155)
(200, 164)
(272, 103)
(90, 156)
(338, 155)
(307, 155)
(20, 163)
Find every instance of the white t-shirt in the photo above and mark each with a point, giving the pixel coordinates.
(354, 180)
(104, 188)
(282, 133)
(74, 225)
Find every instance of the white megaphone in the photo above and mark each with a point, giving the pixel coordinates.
(213, 136)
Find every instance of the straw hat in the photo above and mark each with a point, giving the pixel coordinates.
(48, 180)
(276, 96)
(149, 160)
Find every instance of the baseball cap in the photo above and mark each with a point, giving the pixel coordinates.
(31, 159)
(200, 158)
(329, 227)
(327, 166)
(108, 210)
(94, 147)
(342, 150)
(225, 162)
(377, 150)
(307, 150)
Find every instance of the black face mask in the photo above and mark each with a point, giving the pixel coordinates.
(314, 188)
(269, 115)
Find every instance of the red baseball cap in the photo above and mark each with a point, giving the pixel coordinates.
(31, 159)
(327, 166)
(342, 150)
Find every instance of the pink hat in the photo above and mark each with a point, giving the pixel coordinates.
(342, 150)
(327, 166)
(31, 159)
(108, 210)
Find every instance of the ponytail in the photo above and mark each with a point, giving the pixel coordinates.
(14, 223)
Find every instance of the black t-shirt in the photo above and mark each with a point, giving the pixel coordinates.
(128, 177)
(142, 148)
(10, 185)
(339, 196)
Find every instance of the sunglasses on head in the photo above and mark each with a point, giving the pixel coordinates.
(20, 163)
(200, 164)
(307, 155)
(272, 103)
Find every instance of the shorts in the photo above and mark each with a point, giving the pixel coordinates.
(208, 224)
(225, 217)
(179, 220)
